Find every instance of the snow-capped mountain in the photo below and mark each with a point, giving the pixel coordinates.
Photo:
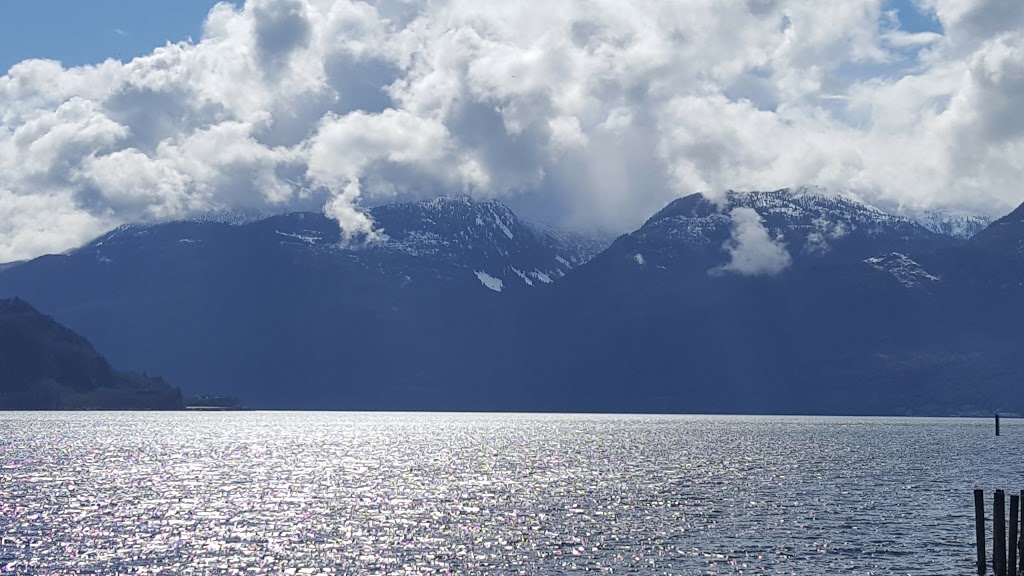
(483, 237)
(442, 239)
(953, 225)
(856, 311)
(233, 217)
(808, 225)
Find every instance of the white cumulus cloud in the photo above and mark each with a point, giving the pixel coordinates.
(589, 112)
(752, 250)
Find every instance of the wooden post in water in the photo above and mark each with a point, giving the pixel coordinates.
(1020, 539)
(999, 533)
(1011, 561)
(997, 423)
(979, 527)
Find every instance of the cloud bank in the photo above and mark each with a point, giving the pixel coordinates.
(584, 111)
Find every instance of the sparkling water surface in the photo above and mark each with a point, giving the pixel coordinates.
(345, 493)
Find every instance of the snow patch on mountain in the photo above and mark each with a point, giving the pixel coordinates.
(523, 275)
(233, 217)
(503, 226)
(310, 237)
(490, 281)
(908, 272)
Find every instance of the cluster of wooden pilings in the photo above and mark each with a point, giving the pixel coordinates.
(1005, 558)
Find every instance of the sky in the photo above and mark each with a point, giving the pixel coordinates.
(584, 113)
(80, 33)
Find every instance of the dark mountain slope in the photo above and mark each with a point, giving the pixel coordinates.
(282, 313)
(852, 325)
(44, 365)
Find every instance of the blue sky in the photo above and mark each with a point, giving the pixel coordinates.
(89, 31)
(85, 32)
(911, 19)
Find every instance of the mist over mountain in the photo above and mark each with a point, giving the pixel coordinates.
(790, 301)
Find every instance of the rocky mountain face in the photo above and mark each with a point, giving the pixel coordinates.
(791, 301)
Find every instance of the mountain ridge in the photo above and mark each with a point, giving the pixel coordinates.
(461, 305)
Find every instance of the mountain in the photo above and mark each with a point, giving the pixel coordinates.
(44, 365)
(1005, 236)
(253, 308)
(445, 239)
(810, 225)
(953, 225)
(788, 301)
(681, 310)
(986, 274)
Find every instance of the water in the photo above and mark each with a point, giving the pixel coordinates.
(318, 493)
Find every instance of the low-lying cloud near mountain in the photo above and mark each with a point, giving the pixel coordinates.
(591, 111)
(752, 250)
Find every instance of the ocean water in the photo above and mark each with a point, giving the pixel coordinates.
(344, 493)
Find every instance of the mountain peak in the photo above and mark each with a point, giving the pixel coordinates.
(962, 226)
(484, 238)
(789, 201)
(452, 205)
(784, 206)
(805, 222)
(693, 206)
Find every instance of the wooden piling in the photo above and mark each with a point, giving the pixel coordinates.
(1011, 561)
(997, 423)
(979, 528)
(1020, 539)
(999, 533)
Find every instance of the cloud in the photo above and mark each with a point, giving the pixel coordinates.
(752, 250)
(589, 112)
(818, 239)
(24, 217)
